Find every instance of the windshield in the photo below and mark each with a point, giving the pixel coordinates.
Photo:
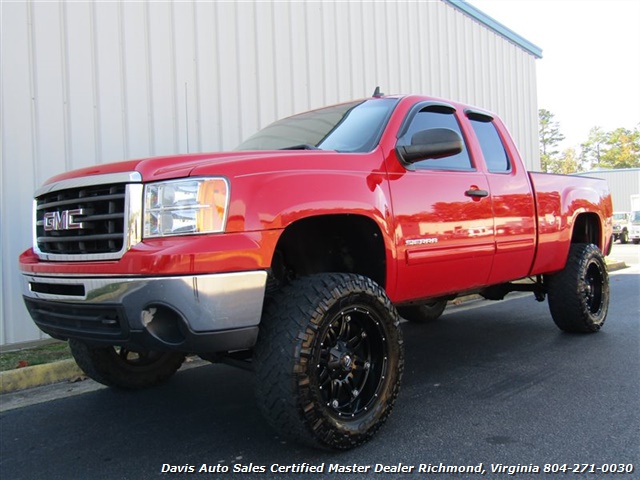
(350, 127)
(635, 217)
(620, 216)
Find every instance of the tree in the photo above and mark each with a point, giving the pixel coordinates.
(568, 163)
(550, 136)
(622, 149)
(592, 148)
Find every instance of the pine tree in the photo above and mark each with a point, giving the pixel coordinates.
(550, 137)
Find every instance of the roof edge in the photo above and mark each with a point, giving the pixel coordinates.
(610, 170)
(496, 26)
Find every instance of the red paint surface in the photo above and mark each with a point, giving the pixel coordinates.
(438, 240)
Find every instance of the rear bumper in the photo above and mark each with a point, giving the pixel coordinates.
(194, 313)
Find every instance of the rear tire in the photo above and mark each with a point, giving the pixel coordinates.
(329, 360)
(119, 367)
(424, 313)
(579, 294)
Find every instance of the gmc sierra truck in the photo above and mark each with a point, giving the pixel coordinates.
(297, 254)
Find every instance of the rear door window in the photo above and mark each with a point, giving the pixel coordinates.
(493, 151)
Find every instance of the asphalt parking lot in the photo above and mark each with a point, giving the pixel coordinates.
(493, 384)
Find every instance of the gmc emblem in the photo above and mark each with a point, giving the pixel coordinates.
(64, 220)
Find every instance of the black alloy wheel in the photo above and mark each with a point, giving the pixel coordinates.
(351, 361)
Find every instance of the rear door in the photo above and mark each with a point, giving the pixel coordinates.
(513, 204)
(443, 214)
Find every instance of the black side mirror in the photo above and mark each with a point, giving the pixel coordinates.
(431, 143)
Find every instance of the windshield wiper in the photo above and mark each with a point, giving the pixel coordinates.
(301, 146)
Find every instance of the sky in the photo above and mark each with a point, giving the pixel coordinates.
(589, 73)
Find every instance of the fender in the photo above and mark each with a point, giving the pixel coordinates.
(272, 194)
(558, 207)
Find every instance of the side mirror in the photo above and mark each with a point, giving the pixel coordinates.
(431, 143)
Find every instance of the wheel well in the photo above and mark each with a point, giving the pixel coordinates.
(330, 243)
(586, 229)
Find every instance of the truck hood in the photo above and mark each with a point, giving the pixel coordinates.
(180, 166)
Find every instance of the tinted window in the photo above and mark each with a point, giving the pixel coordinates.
(349, 127)
(427, 119)
(495, 156)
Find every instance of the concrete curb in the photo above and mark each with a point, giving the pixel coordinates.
(38, 375)
(613, 265)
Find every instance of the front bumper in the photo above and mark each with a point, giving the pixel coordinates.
(194, 313)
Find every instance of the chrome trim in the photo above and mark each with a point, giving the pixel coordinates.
(133, 216)
(105, 179)
(132, 220)
(206, 302)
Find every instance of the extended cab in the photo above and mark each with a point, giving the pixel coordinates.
(297, 254)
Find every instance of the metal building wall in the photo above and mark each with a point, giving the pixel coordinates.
(622, 182)
(90, 82)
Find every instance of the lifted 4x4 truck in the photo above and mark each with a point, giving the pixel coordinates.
(297, 254)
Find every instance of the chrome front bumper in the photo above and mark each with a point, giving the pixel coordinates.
(201, 313)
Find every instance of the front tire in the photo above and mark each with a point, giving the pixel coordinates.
(121, 368)
(579, 294)
(329, 360)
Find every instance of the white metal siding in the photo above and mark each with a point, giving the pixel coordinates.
(91, 82)
(623, 183)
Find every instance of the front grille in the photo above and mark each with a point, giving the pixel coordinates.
(81, 221)
(64, 320)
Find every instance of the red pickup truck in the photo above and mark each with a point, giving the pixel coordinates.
(297, 254)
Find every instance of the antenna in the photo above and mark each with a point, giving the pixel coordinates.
(186, 113)
(377, 93)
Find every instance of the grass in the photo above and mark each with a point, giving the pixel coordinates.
(39, 355)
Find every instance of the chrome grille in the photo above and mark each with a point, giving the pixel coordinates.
(98, 224)
(92, 218)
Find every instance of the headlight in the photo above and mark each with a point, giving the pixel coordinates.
(182, 207)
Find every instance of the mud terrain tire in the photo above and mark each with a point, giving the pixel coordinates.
(121, 368)
(329, 360)
(579, 294)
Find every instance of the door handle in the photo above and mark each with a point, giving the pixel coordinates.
(476, 193)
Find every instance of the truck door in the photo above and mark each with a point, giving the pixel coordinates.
(513, 204)
(443, 214)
